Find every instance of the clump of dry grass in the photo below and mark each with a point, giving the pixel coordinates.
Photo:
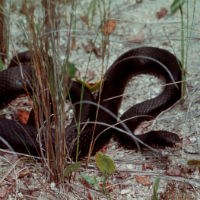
(50, 85)
(51, 81)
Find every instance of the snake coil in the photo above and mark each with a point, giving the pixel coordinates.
(144, 60)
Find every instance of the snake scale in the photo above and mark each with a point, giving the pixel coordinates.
(143, 60)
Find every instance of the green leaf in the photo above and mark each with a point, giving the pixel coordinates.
(71, 69)
(176, 5)
(155, 189)
(93, 181)
(105, 164)
(71, 168)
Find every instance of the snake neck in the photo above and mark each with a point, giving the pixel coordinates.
(146, 60)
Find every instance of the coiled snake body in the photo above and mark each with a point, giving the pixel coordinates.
(143, 60)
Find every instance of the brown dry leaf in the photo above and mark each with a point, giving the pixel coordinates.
(24, 172)
(108, 27)
(90, 196)
(23, 115)
(146, 166)
(108, 186)
(73, 43)
(161, 13)
(144, 180)
(85, 19)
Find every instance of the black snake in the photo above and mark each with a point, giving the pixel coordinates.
(144, 60)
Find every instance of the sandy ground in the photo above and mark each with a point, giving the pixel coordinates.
(136, 25)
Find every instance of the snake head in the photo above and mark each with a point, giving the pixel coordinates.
(161, 139)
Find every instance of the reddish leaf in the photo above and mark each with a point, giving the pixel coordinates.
(108, 27)
(23, 116)
(161, 13)
(24, 172)
(143, 180)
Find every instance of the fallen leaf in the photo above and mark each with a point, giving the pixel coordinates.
(24, 172)
(161, 13)
(90, 196)
(146, 166)
(73, 43)
(108, 186)
(143, 180)
(194, 162)
(23, 116)
(85, 19)
(108, 27)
